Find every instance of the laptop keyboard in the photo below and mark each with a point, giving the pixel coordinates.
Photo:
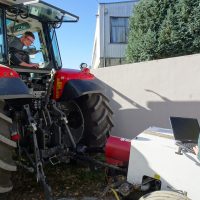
(187, 146)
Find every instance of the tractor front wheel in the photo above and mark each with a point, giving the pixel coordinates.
(97, 119)
(89, 119)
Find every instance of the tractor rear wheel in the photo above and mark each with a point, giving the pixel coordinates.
(164, 195)
(97, 119)
(6, 147)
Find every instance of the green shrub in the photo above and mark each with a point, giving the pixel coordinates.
(163, 28)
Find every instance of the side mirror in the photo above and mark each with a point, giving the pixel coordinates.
(83, 65)
(84, 68)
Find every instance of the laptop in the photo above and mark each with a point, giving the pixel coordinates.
(186, 132)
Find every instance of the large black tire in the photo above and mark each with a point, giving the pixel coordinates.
(6, 148)
(97, 119)
(164, 195)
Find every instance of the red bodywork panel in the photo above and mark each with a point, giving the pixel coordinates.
(117, 151)
(64, 75)
(6, 72)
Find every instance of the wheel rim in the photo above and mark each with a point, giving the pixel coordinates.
(75, 119)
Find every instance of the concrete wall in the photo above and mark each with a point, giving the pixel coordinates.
(148, 93)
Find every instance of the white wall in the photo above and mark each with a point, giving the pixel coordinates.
(96, 46)
(148, 93)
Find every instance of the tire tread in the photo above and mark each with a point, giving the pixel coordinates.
(6, 147)
(97, 115)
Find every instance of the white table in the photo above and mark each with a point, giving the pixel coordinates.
(153, 154)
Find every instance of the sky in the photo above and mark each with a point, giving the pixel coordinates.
(76, 39)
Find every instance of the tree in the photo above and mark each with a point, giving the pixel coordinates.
(163, 28)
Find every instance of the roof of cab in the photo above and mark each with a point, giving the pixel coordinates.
(42, 10)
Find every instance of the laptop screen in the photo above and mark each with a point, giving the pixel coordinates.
(185, 129)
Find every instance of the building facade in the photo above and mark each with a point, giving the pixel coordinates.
(111, 35)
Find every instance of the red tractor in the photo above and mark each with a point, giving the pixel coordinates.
(48, 114)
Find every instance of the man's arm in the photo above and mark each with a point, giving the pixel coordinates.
(24, 64)
(197, 149)
(16, 59)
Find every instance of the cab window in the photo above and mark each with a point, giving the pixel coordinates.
(55, 48)
(2, 41)
(37, 52)
(38, 55)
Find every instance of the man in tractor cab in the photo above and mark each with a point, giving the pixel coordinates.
(17, 55)
(197, 149)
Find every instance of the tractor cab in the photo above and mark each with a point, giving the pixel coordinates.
(38, 17)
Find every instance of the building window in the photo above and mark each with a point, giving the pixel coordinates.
(119, 29)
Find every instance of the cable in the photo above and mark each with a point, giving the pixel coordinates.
(115, 193)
